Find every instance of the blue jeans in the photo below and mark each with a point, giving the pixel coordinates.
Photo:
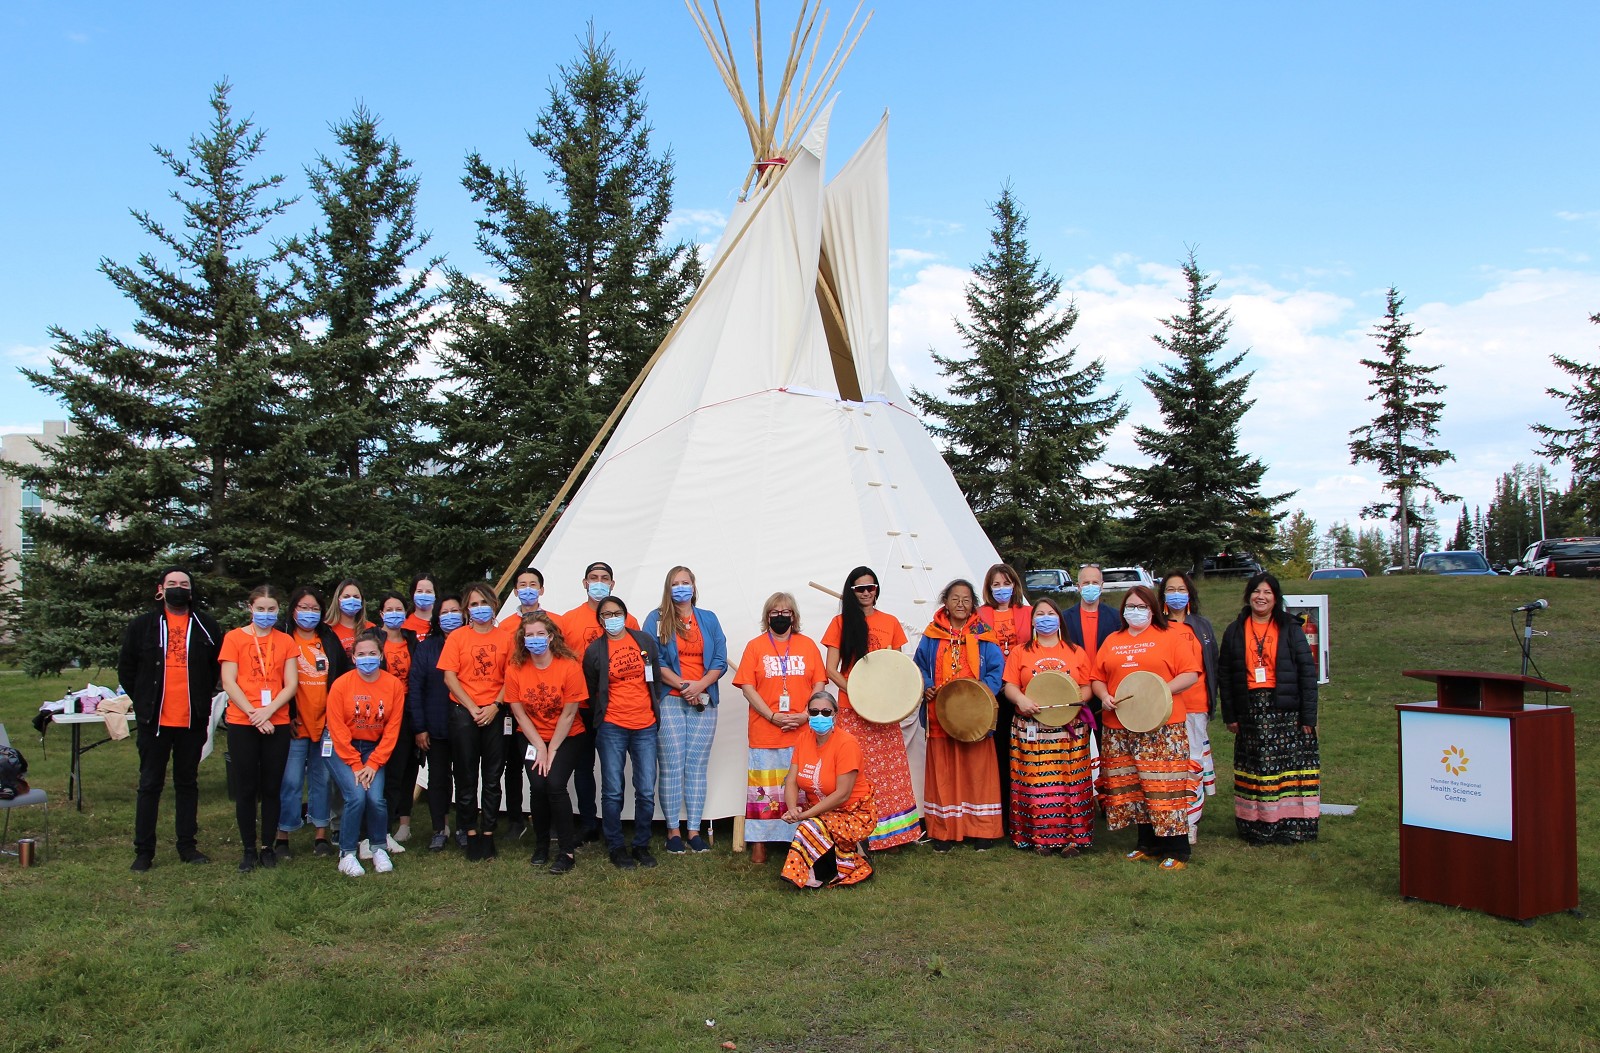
(306, 767)
(614, 745)
(358, 801)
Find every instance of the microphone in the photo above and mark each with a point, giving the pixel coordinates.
(1536, 605)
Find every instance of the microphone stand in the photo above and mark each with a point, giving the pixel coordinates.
(1527, 639)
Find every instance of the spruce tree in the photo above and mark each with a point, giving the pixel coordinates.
(1199, 495)
(1399, 441)
(583, 291)
(1023, 423)
(179, 445)
(1463, 537)
(1297, 546)
(360, 409)
(1579, 444)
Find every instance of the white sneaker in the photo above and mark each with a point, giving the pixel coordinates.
(366, 849)
(403, 834)
(381, 863)
(394, 847)
(350, 866)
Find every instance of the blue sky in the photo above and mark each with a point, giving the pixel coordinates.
(1312, 154)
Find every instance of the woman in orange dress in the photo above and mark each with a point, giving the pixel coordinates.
(837, 814)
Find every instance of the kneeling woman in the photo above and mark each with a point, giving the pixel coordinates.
(1148, 776)
(544, 684)
(365, 708)
(838, 814)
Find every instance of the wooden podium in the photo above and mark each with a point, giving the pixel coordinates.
(1491, 823)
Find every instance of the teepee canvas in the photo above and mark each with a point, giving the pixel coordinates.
(770, 446)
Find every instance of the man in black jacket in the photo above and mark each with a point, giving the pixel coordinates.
(168, 666)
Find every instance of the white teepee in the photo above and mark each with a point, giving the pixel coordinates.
(770, 445)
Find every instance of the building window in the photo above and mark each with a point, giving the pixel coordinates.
(31, 505)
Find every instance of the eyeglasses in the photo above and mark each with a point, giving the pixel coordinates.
(819, 712)
(1136, 607)
(958, 601)
(863, 588)
(780, 613)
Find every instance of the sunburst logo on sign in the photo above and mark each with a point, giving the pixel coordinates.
(1454, 760)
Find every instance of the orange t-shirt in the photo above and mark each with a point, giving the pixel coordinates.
(691, 654)
(261, 661)
(884, 633)
(544, 693)
(175, 687)
(311, 696)
(772, 667)
(817, 768)
(1168, 653)
(347, 634)
(1012, 627)
(1026, 662)
(1260, 652)
(581, 627)
(1193, 697)
(512, 622)
(421, 626)
(478, 659)
(397, 655)
(363, 712)
(1091, 627)
(627, 691)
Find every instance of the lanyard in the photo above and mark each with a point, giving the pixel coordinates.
(1260, 642)
(783, 672)
(272, 649)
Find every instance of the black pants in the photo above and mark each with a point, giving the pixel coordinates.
(583, 780)
(548, 800)
(1175, 847)
(1002, 752)
(516, 750)
(400, 773)
(439, 788)
(156, 746)
(478, 754)
(258, 761)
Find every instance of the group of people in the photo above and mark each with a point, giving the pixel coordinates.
(320, 697)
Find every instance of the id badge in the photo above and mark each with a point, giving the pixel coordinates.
(533, 753)
(1261, 674)
(508, 725)
(327, 746)
(322, 664)
(783, 702)
(1033, 732)
(266, 697)
(649, 670)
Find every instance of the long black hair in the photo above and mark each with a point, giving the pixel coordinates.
(852, 619)
(1280, 613)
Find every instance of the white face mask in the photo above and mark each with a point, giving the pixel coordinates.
(1137, 617)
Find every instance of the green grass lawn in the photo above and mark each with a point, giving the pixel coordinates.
(1306, 948)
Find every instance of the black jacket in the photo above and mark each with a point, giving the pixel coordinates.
(597, 672)
(427, 699)
(1294, 668)
(142, 665)
(338, 662)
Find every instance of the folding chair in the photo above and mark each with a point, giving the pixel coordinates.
(34, 797)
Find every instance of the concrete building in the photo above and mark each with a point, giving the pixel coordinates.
(15, 499)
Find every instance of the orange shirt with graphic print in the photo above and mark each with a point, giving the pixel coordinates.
(363, 712)
(397, 656)
(773, 666)
(419, 625)
(1027, 662)
(261, 661)
(544, 693)
(478, 660)
(311, 696)
(627, 691)
(1012, 627)
(817, 768)
(1193, 697)
(1168, 653)
(175, 685)
(884, 633)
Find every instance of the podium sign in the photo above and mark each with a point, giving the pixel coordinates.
(1456, 773)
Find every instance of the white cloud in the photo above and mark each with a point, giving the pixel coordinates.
(33, 356)
(900, 258)
(697, 224)
(1305, 347)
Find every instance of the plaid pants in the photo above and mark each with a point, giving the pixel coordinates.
(683, 749)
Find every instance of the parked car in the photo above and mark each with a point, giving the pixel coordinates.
(1563, 557)
(1454, 563)
(1048, 583)
(1229, 565)
(1330, 573)
(1124, 578)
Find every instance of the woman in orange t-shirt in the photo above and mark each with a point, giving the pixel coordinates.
(1148, 778)
(544, 685)
(1006, 611)
(400, 771)
(1052, 797)
(346, 615)
(837, 814)
(424, 594)
(777, 672)
(622, 670)
(319, 661)
(259, 673)
(365, 708)
(473, 662)
(859, 629)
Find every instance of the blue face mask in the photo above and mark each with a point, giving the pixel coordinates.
(368, 663)
(393, 619)
(481, 612)
(614, 624)
(1177, 601)
(1002, 593)
(682, 593)
(422, 600)
(527, 596)
(598, 590)
(264, 619)
(1090, 593)
(308, 620)
(351, 605)
(536, 644)
(821, 724)
(450, 621)
(1045, 624)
